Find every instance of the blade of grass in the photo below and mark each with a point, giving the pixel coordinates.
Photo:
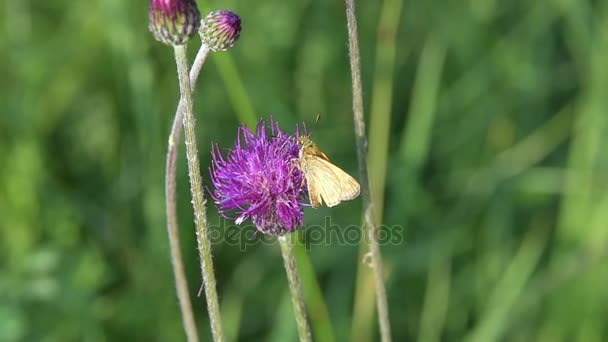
(322, 328)
(232, 309)
(572, 267)
(496, 311)
(536, 146)
(284, 327)
(382, 98)
(584, 202)
(241, 284)
(436, 299)
(236, 90)
(416, 140)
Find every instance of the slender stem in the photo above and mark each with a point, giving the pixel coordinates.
(176, 129)
(297, 298)
(382, 93)
(198, 201)
(370, 221)
(181, 283)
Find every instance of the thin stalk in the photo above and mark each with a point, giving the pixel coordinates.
(382, 99)
(181, 283)
(437, 294)
(379, 132)
(198, 201)
(370, 225)
(509, 290)
(297, 298)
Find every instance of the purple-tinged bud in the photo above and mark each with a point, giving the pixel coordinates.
(174, 22)
(220, 30)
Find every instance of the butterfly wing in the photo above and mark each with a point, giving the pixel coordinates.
(328, 183)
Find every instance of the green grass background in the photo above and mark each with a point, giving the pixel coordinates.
(487, 123)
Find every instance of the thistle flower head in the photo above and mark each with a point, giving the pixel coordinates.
(173, 22)
(260, 180)
(220, 30)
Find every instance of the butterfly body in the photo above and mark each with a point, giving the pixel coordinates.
(326, 182)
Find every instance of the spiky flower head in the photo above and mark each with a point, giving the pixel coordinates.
(259, 180)
(173, 22)
(220, 30)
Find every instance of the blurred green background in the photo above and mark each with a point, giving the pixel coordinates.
(487, 124)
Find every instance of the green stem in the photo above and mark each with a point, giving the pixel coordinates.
(198, 201)
(297, 298)
(379, 132)
(382, 98)
(369, 218)
(181, 283)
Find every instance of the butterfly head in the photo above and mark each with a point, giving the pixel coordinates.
(304, 142)
(309, 149)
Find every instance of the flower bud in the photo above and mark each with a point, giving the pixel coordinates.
(220, 30)
(173, 22)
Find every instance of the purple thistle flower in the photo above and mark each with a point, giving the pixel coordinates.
(260, 180)
(173, 22)
(220, 30)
